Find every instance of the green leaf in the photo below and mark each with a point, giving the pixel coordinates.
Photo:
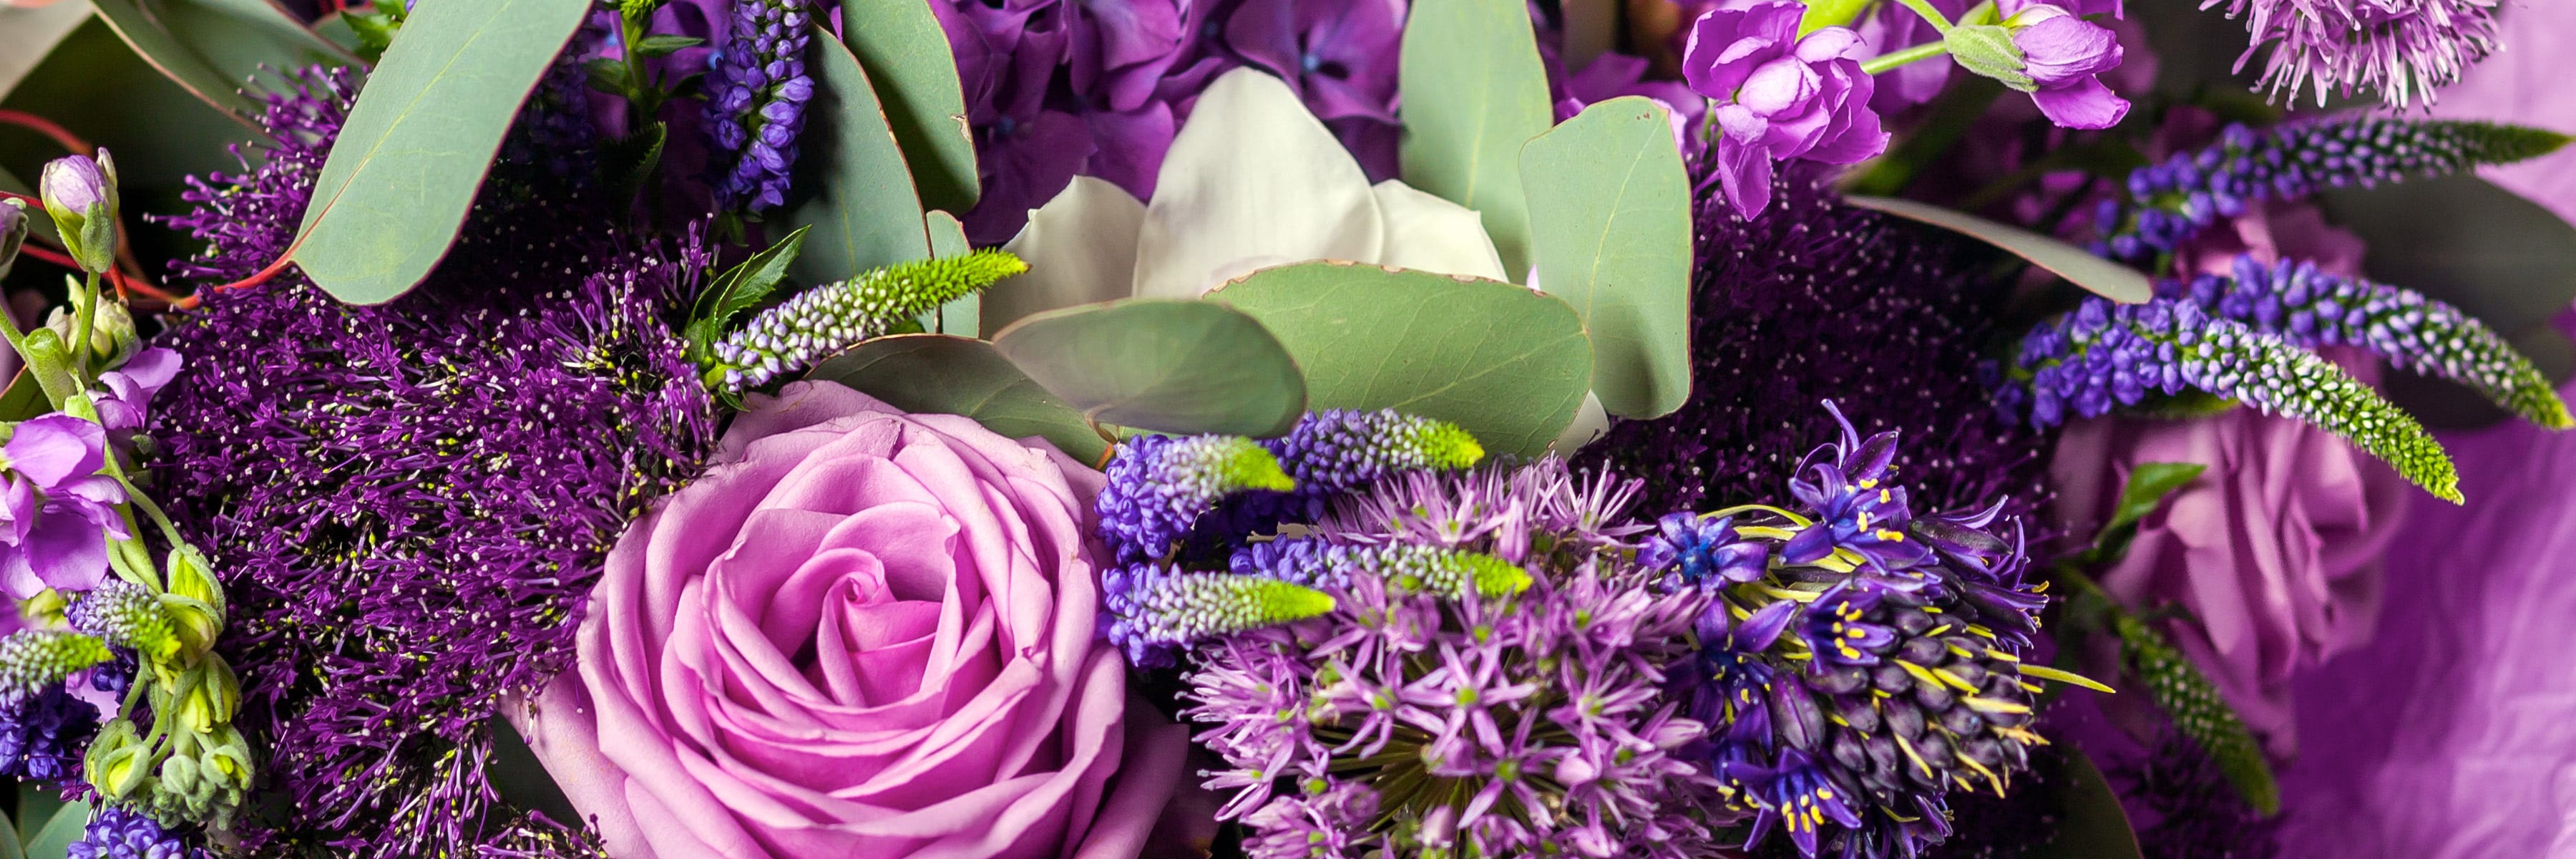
(626, 164)
(1474, 93)
(2149, 485)
(963, 376)
(947, 239)
(906, 53)
(212, 47)
(2192, 701)
(2091, 823)
(27, 35)
(415, 147)
(1508, 364)
(665, 45)
(1163, 365)
(2100, 276)
(23, 399)
(36, 806)
(740, 289)
(54, 841)
(852, 186)
(1610, 218)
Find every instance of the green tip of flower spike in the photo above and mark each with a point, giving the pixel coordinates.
(32, 659)
(1240, 464)
(1193, 606)
(2192, 701)
(1446, 445)
(2500, 143)
(2318, 392)
(1492, 576)
(914, 288)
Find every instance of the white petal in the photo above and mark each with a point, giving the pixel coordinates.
(1080, 247)
(1591, 422)
(1426, 232)
(1251, 176)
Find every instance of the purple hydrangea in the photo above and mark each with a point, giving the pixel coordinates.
(408, 502)
(757, 90)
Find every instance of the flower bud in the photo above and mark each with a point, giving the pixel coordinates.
(13, 232)
(112, 338)
(1989, 50)
(80, 193)
(114, 762)
(191, 576)
(51, 363)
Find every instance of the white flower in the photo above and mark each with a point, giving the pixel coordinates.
(1252, 181)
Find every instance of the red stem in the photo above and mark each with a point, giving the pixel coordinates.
(69, 141)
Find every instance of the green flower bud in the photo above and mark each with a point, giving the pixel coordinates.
(112, 338)
(114, 764)
(193, 577)
(1988, 49)
(80, 193)
(50, 361)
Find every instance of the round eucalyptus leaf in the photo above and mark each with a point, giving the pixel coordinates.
(1165, 365)
(962, 376)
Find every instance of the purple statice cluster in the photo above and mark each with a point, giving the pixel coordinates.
(408, 502)
(1856, 662)
(757, 90)
(2293, 300)
(1056, 88)
(1416, 721)
(2170, 203)
(1816, 300)
(2401, 48)
(2103, 356)
(122, 833)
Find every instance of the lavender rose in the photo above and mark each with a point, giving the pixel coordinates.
(860, 633)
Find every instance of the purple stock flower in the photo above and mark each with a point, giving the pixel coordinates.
(129, 389)
(2063, 55)
(1779, 96)
(56, 511)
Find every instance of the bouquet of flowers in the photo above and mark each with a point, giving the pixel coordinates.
(789, 429)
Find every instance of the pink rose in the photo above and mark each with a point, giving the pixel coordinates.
(860, 633)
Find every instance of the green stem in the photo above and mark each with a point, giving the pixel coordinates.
(1924, 8)
(81, 323)
(1884, 62)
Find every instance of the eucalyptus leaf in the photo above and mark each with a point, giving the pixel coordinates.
(27, 34)
(947, 239)
(23, 398)
(36, 805)
(417, 142)
(907, 54)
(1610, 219)
(54, 840)
(2090, 823)
(851, 185)
(963, 376)
(2100, 276)
(156, 44)
(1163, 365)
(239, 38)
(1508, 364)
(1474, 92)
(10, 846)
(2492, 253)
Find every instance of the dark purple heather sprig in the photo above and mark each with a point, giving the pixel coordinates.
(408, 502)
(2295, 301)
(1847, 689)
(1815, 300)
(2103, 355)
(2402, 48)
(757, 90)
(1411, 722)
(119, 833)
(2170, 203)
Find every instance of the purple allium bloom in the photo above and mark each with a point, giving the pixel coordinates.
(1159, 486)
(756, 94)
(409, 502)
(2402, 48)
(1779, 96)
(1816, 300)
(57, 511)
(2295, 301)
(536, 836)
(2102, 356)
(2062, 54)
(237, 215)
(1696, 549)
(123, 833)
(2171, 202)
(43, 736)
(1396, 690)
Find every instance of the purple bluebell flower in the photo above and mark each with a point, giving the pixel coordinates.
(1836, 626)
(757, 90)
(2170, 203)
(57, 511)
(1779, 96)
(1703, 551)
(1730, 680)
(44, 734)
(2063, 55)
(1797, 797)
(1855, 503)
(123, 833)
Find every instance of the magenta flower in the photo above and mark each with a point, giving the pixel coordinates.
(56, 511)
(1779, 96)
(2063, 54)
(128, 389)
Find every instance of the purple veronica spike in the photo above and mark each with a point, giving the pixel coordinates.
(127, 391)
(1159, 486)
(44, 735)
(2172, 202)
(1154, 610)
(2103, 355)
(2295, 301)
(756, 94)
